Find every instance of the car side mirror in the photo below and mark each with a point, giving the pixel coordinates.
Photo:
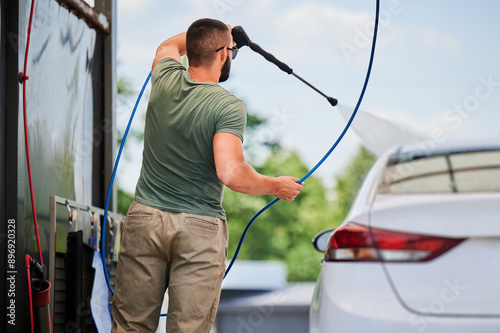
(320, 241)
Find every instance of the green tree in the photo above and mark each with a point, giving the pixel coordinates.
(125, 93)
(284, 231)
(351, 179)
(124, 199)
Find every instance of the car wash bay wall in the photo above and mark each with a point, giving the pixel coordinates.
(70, 106)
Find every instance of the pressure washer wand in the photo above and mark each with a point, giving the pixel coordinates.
(242, 39)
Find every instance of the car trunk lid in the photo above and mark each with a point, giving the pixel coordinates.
(465, 279)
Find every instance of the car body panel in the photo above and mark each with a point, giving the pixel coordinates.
(353, 298)
(458, 291)
(450, 215)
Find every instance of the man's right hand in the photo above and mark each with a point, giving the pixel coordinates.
(288, 188)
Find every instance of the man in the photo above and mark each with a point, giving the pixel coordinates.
(175, 234)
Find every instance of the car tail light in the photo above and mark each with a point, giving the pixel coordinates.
(356, 242)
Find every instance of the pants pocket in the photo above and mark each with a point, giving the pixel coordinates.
(139, 215)
(206, 224)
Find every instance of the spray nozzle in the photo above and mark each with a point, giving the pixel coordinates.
(240, 37)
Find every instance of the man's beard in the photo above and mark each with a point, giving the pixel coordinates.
(224, 72)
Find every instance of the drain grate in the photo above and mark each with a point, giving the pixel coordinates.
(59, 320)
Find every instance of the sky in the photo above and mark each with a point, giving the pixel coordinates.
(435, 71)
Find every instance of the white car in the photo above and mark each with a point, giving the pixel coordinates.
(420, 248)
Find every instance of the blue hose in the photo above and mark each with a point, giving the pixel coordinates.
(110, 189)
(328, 153)
(341, 136)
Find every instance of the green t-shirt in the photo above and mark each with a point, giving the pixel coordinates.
(178, 169)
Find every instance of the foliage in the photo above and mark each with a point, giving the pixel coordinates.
(257, 146)
(284, 231)
(124, 90)
(124, 95)
(124, 199)
(349, 181)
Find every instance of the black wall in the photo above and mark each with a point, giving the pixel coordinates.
(67, 129)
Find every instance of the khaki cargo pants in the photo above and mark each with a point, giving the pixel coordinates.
(161, 249)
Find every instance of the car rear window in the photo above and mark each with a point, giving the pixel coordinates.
(442, 172)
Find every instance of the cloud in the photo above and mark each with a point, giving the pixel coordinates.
(325, 33)
(316, 30)
(137, 51)
(131, 6)
(242, 10)
(230, 10)
(202, 7)
(433, 39)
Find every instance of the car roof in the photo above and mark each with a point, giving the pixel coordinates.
(432, 148)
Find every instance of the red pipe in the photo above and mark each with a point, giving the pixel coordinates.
(27, 262)
(22, 78)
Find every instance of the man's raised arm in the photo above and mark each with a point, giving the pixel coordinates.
(174, 47)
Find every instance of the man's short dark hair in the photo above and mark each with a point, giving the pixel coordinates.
(203, 37)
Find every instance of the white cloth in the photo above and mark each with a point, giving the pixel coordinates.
(99, 303)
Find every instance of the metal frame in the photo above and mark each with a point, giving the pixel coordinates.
(69, 205)
(93, 17)
(108, 8)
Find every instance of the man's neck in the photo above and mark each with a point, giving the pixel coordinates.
(203, 75)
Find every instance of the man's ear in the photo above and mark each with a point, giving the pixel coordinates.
(223, 55)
